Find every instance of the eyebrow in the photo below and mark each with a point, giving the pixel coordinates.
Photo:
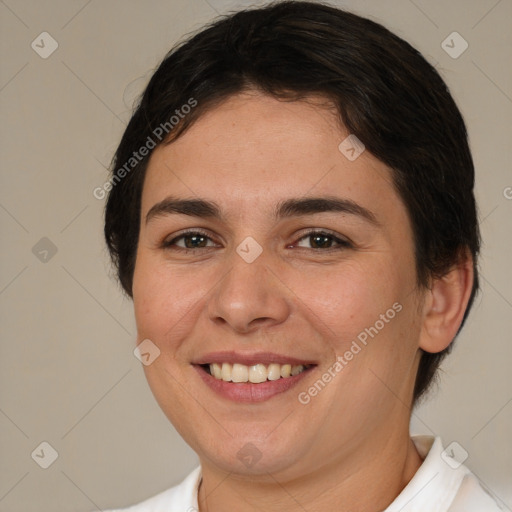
(294, 207)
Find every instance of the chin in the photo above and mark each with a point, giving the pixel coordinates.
(247, 456)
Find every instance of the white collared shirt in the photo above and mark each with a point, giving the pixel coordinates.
(441, 484)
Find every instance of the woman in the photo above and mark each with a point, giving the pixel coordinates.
(291, 209)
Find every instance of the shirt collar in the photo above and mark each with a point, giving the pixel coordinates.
(435, 484)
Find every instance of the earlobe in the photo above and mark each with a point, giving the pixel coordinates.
(445, 306)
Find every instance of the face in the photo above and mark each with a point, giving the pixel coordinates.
(262, 279)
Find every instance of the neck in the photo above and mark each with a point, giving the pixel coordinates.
(366, 481)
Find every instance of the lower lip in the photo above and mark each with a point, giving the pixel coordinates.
(247, 392)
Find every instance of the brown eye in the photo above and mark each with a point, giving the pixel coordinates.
(189, 240)
(323, 240)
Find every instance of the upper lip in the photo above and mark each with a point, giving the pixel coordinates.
(249, 358)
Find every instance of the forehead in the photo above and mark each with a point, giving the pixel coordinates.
(256, 150)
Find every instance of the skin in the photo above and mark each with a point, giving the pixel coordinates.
(349, 447)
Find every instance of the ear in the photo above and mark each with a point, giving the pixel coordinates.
(444, 306)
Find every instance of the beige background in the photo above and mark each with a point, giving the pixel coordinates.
(68, 373)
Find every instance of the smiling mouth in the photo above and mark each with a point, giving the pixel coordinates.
(255, 374)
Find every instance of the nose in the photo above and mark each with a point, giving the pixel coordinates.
(250, 295)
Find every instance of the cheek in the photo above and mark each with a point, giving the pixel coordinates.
(154, 298)
(343, 301)
(166, 300)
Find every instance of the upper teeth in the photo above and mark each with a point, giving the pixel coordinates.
(255, 374)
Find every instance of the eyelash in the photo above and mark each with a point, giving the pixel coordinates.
(343, 244)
